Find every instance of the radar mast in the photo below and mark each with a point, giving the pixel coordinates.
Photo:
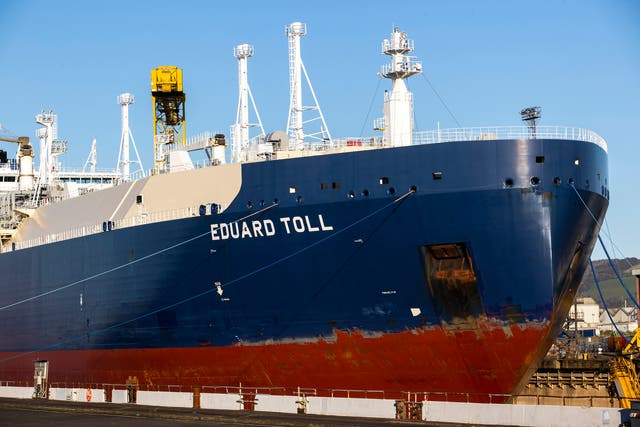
(398, 105)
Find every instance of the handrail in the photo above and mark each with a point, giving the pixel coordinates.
(487, 133)
(412, 396)
(509, 132)
(78, 170)
(144, 218)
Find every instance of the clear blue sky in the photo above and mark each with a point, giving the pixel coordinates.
(577, 59)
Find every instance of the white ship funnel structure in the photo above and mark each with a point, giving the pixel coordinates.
(25, 156)
(398, 105)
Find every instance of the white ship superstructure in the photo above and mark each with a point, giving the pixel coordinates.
(22, 189)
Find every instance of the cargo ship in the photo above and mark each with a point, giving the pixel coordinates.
(442, 261)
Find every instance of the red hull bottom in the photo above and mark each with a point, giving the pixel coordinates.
(478, 361)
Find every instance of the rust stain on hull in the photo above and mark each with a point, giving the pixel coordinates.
(483, 359)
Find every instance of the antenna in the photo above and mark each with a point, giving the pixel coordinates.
(296, 68)
(530, 116)
(92, 159)
(240, 131)
(126, 99)
(398, 105)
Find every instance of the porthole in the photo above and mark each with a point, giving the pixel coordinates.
(557, 181)
(351, 194)
(576, 162)
(535, 180)
(261, 203)
(436, 175)
(391, 191)
(384, 180)
(571, 181)
(508, 182)
(249, 204)
(365, 193)
(276, 201)
(299, 199)
(413, 188)
(539, 159)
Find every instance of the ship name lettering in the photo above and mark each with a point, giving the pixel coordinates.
(235, 230)
(303, 224)
(267, 228)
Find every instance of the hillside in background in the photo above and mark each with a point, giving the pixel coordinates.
(614, 294)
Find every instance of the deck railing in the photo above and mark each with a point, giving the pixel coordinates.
(144, 218)
(428, 137)
(489, 133)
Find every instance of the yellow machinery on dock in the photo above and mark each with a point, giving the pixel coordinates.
(623, 371)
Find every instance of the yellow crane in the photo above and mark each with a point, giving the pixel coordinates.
(169, 123)
(623, 372)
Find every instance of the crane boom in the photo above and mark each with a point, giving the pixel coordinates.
(20, 140)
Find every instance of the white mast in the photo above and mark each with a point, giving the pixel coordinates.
(296, 68)
(92, 159)
(125, 99)
(398, 105)
(46, 135)
(240, 131)
(50, 145)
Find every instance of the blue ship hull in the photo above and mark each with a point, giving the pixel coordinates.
(378, 269)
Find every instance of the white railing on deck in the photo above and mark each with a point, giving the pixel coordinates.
(198, 138)
(69, 170)
(509, 132)
(144, 218)
(481, 134)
